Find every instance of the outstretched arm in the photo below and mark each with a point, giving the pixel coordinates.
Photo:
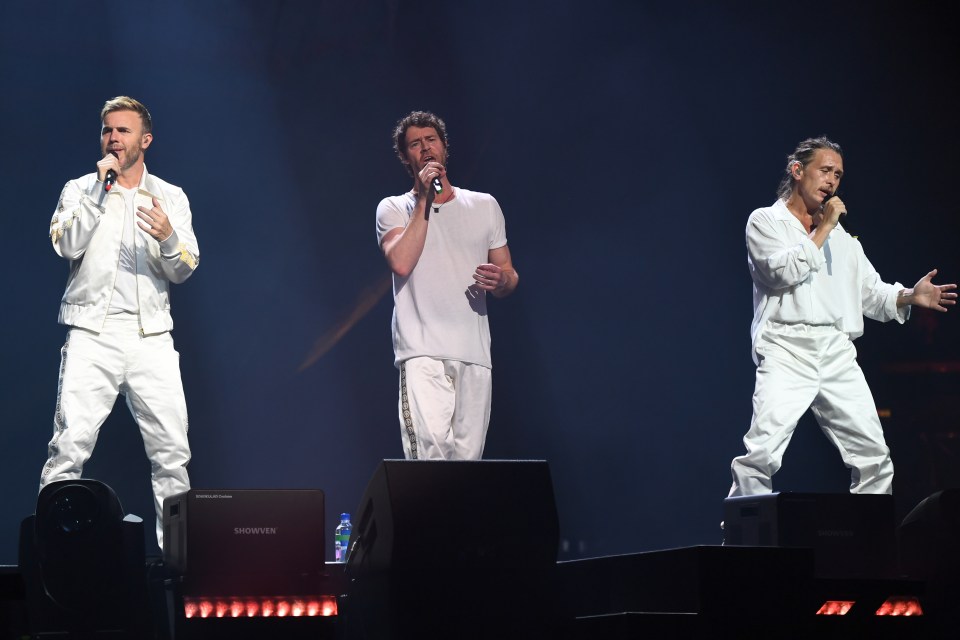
(928, 295)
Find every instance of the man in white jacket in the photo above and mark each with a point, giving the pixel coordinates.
(812, 287)
(127, 235)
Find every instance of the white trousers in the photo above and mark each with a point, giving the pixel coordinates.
(94, 368)
(444, 409)
(801, 367)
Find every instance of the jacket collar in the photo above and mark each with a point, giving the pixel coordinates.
(149, 186)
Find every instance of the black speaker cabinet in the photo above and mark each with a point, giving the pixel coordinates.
(929, 537)
(438, 543)
(245, 541)
(852, 535)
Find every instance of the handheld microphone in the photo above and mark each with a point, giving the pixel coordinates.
(111, 176)
(843, 214)
(835, 194)
(437, 186)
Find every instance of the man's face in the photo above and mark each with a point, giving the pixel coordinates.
(820, 178)
(423, 145)
(122, 134)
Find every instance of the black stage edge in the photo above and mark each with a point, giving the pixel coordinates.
(733, 591)
(691, 592)
(251, 565)
(13, 605)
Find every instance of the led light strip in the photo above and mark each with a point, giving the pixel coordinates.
(260, 606)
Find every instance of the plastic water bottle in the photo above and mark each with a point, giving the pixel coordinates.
(341, 538)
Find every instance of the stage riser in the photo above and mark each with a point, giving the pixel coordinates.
(705, 580)
(853, 535)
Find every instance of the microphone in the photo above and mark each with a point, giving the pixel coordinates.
(437, 186)
(843, 214)
(111, 176)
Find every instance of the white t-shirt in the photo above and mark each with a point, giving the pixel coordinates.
(124, 299)
(438, 311)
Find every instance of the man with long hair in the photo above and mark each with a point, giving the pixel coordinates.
(812, 287)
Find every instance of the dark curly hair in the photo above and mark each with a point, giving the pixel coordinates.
(417, 119)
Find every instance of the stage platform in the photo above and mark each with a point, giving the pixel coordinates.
(691, 592)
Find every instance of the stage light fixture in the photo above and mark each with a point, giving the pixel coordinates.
(248, 563)
(836, 607)
(83, 562)
(260, 607)
(900, 606)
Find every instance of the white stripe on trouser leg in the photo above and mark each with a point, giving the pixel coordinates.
(408, 432)
(444, 409)
(805, 367)
(94, 368)
(90, 376)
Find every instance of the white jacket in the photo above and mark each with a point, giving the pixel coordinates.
(87, 229)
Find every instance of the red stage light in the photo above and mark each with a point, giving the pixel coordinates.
(267, 607)
(250, 607)
(298, 608)
(835, 607)
(900, 606)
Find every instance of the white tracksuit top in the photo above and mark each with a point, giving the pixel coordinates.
(87, 229)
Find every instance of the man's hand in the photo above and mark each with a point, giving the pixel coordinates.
(425, 178)
(928, 295)
(490, 277)
(830, 212)
(154, 221)
(107, 163)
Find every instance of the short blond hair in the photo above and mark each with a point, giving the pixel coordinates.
(125, 103)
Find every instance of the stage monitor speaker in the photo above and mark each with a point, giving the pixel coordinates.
(929, 538)
(245, 541)
(852, 535)
(438, 543)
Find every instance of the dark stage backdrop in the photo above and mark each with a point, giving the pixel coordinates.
(627, 142)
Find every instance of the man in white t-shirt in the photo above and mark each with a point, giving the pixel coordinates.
(812, 287)
(447, 248)
(128, 235)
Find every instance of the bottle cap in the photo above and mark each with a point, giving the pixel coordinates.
(344, 516)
